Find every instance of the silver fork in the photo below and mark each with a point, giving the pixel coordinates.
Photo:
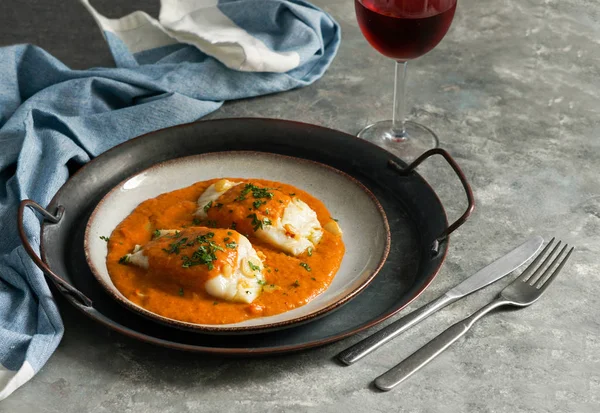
(522, 292)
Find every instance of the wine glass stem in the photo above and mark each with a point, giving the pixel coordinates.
(399, 117)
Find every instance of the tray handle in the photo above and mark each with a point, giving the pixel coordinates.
(463, 180)
(60, 283)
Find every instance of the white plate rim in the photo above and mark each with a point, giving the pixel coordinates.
(231, 328)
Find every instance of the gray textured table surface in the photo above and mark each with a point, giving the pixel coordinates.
(514, 91)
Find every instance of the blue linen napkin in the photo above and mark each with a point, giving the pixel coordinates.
(169, 71)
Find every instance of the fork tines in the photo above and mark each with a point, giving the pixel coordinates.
(536, 276)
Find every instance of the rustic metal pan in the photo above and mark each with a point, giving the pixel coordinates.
(416, 216)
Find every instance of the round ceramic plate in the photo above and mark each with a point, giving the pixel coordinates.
(365, 228)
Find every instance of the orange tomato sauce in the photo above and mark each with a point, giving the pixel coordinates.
(288, 284)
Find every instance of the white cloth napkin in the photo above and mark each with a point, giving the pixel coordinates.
(200, 23)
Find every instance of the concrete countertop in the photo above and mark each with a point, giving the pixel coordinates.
(514, 93)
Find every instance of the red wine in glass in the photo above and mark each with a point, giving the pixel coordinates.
(403, 30)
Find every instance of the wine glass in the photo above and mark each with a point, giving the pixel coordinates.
(403, 30)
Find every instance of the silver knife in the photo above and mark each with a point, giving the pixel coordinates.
(484, 277)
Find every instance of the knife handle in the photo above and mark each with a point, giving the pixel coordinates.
(413, 363)
(359, 350)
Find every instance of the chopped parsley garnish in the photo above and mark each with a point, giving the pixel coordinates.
(204, 254)
(267, 211)
(196, 221)
(253, 267)
(216, 246)
(215, 302)
(256, 192)
(280, 201)
(256, 223)
(313, 278)
(296, 284)
(218, 205)
(232, 245)
(269, 270)
(244, 192)
(207, 206)
(226, 239)
(261, 282)
(292, 194)
(233, 225)
(306, 266)
(229, 233)
(156, 233)
(260, 192)
(177, 234)
(256, 204)
(276, 269)
(181, 292)
(336, 220)
(309, 251)
(211, 224)
(175, 247)
(103, 238)
(124, 259)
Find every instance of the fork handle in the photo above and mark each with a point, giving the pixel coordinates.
(431, 350)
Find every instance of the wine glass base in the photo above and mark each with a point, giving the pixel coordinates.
(414, 142)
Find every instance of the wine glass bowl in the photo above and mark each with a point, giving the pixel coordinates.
(403, 30)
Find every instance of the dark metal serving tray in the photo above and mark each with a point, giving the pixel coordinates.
(416, 217)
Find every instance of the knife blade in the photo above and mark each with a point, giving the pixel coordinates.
(482, 278)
